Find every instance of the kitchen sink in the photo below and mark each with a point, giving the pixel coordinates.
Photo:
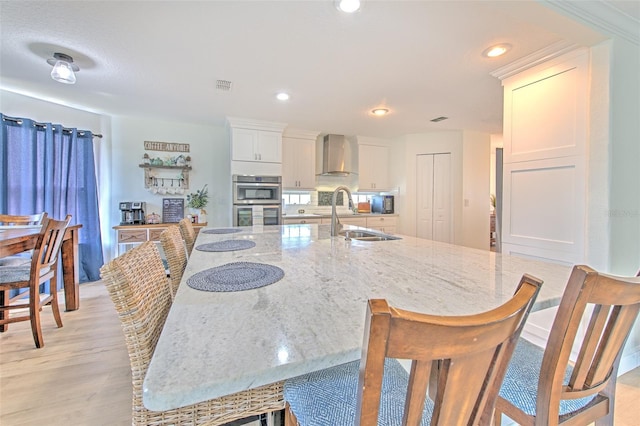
(367, 236)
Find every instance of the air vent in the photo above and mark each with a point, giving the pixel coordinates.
(435, 120)
(223, 85)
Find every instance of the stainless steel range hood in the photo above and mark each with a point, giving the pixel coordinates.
(336, 157)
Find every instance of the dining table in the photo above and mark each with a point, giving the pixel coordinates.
(219, 339)
(17, 239)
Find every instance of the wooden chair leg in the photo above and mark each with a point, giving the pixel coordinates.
(53, 290)
(34, 310)
(4, 299)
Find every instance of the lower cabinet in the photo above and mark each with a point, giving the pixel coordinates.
(301, 220)
(386, 224)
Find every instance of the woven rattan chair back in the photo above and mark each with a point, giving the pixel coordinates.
(43, 267)
(174, 250)
(611, 306)
(137, 285)
(188, 234)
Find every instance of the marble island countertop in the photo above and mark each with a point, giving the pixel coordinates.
(215, 344)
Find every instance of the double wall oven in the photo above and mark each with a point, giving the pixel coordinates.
(257, 200)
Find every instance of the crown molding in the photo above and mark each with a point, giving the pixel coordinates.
(534, 59)
(246, 123)
(294, 133)
(600, 15)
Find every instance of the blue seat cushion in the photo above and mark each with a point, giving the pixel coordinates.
(20, 272)
(329, 397)
(520, 385)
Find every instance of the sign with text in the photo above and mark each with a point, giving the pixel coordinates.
(172, 210)
(166, 146)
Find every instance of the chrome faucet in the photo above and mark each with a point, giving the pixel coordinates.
(335, 222)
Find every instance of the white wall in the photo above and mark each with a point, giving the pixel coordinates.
(210, 162)
(475, 192)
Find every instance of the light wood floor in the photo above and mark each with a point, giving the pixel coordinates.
(82, 376)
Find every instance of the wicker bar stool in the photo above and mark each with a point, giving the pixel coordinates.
(188, 234)
(174, 249)
(137, 284)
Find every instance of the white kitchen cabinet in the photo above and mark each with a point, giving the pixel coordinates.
(373, 167)
(298, 163)
(386, 224)
(256, 145)
(355, 221)
(302, 220)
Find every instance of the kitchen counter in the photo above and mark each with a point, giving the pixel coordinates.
(328, 215)
(215, 344)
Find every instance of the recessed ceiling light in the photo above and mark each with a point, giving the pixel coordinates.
(348, 6)
(497, 50)
(282, 96)
(380, 111)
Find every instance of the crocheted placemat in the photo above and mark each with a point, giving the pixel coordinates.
(236, 276)
(227, 245)
(221, 231)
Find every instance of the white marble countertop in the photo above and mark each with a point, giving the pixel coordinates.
(215, 344)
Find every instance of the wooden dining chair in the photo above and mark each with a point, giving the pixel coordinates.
(32, 219)
(20, 259)
(42, 268)
(174, 250)
(460, 359)
(545, 387)
(19, 220)
(188, 234)
(137, 285)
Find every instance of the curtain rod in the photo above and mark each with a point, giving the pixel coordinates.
(19, 121)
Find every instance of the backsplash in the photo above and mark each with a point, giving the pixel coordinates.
(324, 198)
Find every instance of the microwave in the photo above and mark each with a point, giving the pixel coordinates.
(382, 204)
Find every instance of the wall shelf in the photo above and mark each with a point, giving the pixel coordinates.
(151, 179)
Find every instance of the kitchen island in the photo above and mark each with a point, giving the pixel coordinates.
(219, 343)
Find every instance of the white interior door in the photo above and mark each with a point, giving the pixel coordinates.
(433, 174)
(442, 197)
(424, 201)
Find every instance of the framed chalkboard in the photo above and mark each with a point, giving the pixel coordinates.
(172, 210)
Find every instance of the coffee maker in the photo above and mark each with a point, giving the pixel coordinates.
(132, 213)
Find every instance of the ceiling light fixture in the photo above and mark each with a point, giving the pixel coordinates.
(380, 111)
(497, 50)
(282, 96)
(63, 68)
(348, 6)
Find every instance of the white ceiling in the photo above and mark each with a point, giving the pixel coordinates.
(161, 59)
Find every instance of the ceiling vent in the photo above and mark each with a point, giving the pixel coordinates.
(223, 85)
(435, 120)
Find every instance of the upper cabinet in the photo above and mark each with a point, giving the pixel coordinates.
(373, 167)
(299, 160)
(256, 146)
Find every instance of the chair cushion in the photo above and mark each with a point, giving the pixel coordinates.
(15, 260)
(520, 385)
(11, 273)
(329, 397)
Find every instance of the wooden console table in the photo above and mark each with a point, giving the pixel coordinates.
(135, 234)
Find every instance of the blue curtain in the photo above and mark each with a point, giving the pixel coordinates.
(48, 168)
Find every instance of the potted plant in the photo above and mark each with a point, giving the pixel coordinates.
(198, 201)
